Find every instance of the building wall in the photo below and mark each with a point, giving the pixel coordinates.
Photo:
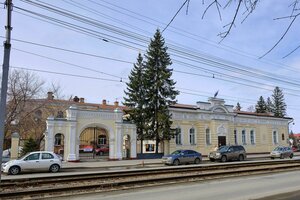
(223, 122)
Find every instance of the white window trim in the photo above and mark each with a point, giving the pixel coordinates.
(209, 133)
(195, 136)
(254, 137)
(180, 137)
(277, 142)
(237, 136)
(245, 137)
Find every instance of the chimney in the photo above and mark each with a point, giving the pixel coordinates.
(50, 96)
(116, 103)
(76, 99)
(104, 102)
(81, 100)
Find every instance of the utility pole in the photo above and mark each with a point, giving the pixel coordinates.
(7, 47)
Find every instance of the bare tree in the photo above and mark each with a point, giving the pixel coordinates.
(27, 106)
(244, 8)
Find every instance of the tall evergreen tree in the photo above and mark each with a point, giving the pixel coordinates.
(161, 91)
(135, 99)
(279, 106)
(261, 106)
(269, 105)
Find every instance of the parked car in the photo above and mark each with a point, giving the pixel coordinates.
(182, 157)
(282, 152)
(34, 161)
(225, 153)
(102, 149)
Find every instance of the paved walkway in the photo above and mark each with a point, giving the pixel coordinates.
(136, 162)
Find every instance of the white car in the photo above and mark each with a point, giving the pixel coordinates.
(34, 161)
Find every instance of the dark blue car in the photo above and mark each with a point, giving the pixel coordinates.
(182, 157)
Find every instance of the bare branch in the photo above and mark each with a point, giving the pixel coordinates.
(286, 31)
(218, 8)
(175, 15)
(292, 51)
(233, 20)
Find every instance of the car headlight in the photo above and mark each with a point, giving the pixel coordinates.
(218, 154)
(169, 158)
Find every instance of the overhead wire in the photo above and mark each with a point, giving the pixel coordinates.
(271, 78)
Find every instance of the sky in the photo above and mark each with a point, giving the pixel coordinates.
(88, 48)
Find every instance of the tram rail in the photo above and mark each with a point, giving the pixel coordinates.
(64, 185)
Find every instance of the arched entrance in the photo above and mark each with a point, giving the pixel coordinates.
(126, 147)
(94, 143)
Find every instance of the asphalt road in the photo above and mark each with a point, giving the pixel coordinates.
(265, 187)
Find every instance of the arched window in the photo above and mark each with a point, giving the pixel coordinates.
(102, 139)
(244, 137)
(252, 137)
(235, 136)
(178, 136)
(282, 136)
(58, 139)
(192, 136)
(275, 137)
(207, 136)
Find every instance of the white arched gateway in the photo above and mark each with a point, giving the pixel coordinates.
(78, 120)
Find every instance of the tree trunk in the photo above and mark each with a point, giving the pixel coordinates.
(142, 146)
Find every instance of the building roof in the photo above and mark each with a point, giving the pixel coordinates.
(81, 104)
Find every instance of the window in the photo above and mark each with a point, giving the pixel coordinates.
(149, 147)
(235, 137)
(207, 136)
(192, 136)
(102, 139)
(252, 137)
(178, 136)
(47, 156)
(58, 138)
(282, 136)
(244, 137)
(275, 139)
(35, 156)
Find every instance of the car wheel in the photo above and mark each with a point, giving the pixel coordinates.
(176, 162)
(241, 157)
(281, 156)
(197, 161)
(291, 156)
(272, 158)
(212, 160)
(14, 170)
(54, 168)
(223, 159)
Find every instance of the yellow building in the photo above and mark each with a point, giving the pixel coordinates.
(89, 128)
(209, 124)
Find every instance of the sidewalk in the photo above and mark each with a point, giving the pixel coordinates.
(136, 162)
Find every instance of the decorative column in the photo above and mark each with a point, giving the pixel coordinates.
(119, 141)
(133, 142)
(73, 155)
(71, 140)
(14, 149)
(112, 145)
(49, 134)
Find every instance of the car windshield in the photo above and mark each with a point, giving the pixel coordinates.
(223, 148)
(23, 156)
(176, 152)
(278, 149)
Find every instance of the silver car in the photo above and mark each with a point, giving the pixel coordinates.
(282, 152)
(182, 157)
(34, 161)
